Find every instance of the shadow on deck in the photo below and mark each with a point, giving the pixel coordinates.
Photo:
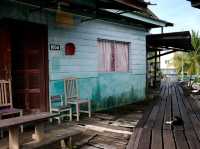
(152, 132)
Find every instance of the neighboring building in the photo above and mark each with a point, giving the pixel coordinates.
(110, 56)
(166, 65)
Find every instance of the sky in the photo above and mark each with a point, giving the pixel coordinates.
(180, 12)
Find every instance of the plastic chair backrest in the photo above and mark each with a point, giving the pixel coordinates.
(5, 93)
(71, 88)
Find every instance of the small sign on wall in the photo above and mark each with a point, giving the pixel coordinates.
(70, 48)
(54, 47)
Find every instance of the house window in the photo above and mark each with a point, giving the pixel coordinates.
(167, 62)
(113, 56)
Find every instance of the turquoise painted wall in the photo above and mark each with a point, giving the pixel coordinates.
(106, 90)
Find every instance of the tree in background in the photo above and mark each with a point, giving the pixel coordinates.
(189, 60)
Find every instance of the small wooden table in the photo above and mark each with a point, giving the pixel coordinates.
(13, 125)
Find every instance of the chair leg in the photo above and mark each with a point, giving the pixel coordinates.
(77, 111)
(62, 119)
(89, 108)
(51, 120)
(1, 132)
(70, 114)
(59, 120)
(1, 129)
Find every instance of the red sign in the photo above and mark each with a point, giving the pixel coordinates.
(70, 48)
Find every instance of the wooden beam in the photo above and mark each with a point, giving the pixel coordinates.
(152, 49)
(149, 58)
(155, 68)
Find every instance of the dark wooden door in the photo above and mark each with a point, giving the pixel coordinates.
(30, 67)
(5, 53)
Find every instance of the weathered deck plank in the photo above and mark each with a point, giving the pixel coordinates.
(134, 140)
(145, 139)
(180, 139)
(152, 132)
(156, 141)
(168, 140)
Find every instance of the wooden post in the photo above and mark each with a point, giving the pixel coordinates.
(14, 137)
(155, 69)
(39, 131)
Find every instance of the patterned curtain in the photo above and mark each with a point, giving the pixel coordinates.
(104, 56)
(121, 56)
(113, 56)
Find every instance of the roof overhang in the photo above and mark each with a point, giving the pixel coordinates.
(195, 3)
(169, 42)
(137, 9)
(154, 22)
(132, 12)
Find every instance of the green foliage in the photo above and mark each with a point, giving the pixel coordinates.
(178, 61)
(190, 60)
(197, 80)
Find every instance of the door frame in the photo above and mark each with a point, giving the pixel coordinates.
(9, 22)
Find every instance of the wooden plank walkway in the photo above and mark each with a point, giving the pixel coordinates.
(152, 132)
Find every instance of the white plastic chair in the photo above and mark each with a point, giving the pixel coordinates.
(72, 97)
(62, 110)
(6, 104)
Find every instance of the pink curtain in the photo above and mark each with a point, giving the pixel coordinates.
(105, 56)
(121, 56)
(113, 56)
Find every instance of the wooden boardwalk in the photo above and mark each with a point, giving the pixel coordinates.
(152, 132)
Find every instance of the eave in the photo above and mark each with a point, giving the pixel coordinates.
(179, 41)
(154, 22)
(94, 11)
(168, 43)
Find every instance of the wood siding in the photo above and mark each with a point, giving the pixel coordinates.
(85, 35)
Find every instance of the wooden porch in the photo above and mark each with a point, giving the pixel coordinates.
(152, 132)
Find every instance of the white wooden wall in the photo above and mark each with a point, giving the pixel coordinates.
(85, 35)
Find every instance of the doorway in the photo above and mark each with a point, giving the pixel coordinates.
(28, 68)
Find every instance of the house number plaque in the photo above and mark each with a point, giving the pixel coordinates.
(54, 47)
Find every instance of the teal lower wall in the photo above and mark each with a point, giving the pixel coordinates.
(107, 90)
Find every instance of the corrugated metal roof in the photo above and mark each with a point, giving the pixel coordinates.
(178, 41)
